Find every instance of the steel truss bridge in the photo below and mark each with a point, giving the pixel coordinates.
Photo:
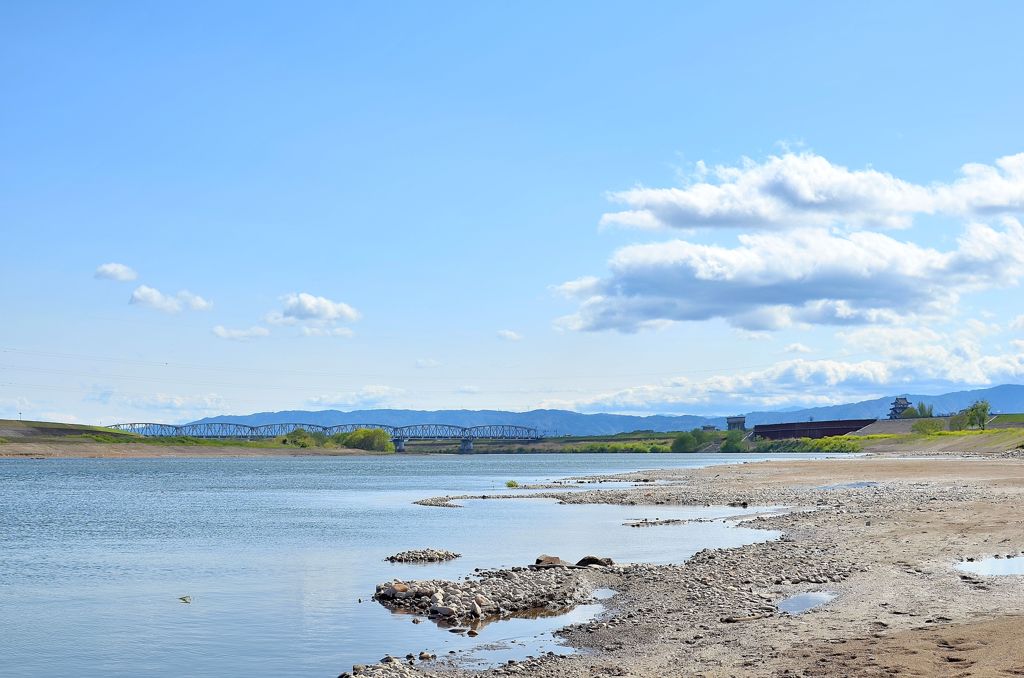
(399, 434)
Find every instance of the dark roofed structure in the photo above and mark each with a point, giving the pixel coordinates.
(810, 429)
(899, 406)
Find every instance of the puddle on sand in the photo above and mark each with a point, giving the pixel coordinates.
(802, 602)
(517, 647)
(860, 485)
(993, 566)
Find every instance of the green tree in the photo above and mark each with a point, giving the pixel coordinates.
(926, 426)
(734, 442)
(958, 422)
(369, 439)
(978, 413)
(684, 442)
(919, 411)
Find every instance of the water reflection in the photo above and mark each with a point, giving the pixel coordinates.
(802, 602)
(994, 566)
(280, 556)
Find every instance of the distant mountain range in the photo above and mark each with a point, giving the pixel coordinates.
(1006, 398)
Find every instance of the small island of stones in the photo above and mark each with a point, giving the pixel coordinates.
(423, 556)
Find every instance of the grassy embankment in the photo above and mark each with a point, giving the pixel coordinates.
(12, 432)
(969, 441)
(300, 442)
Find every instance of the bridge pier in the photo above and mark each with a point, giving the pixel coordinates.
(466, 446)
(399, 444)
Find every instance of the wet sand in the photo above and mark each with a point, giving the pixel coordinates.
(888, 550)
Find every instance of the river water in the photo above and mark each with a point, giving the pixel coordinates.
(275, 554)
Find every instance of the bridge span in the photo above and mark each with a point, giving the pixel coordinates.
(399, 434)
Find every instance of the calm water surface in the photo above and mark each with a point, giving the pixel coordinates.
(275, 554)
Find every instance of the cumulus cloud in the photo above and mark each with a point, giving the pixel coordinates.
(509, 335)
(194, 301)
(114, 271)
(143, 295)
(307, 307)
(925, 355)
(798, 190)
(240, 335)
(1017, 323)
(320, 316)
(906, 359)
(368, 396)
(808, 276)
(798, 381)
(797, 347)
(427, 363)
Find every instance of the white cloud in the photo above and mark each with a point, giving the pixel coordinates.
(807, 276)
(308, 331)
(904, 359)
(427, 363)
(925, 355)
(797, 347)
(1018, 323)
(791, 382)
(194, 301)
(154, 298)
(307, 307)
(468, 390)
(143, 295)
(177, 403)
(320, 316)
(509, 335)
(796, 190)
(368, 396)
(114, 271)
(240, 335)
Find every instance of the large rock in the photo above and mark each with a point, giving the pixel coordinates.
(548, 561)
(595, 560)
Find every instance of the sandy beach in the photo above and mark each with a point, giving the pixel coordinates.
(884, 534)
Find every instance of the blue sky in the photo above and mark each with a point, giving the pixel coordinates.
(656, 207)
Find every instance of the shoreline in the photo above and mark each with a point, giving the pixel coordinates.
(83, 450)
(132, 450)
(888, 551)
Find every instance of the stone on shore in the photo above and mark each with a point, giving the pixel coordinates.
(423, 556)
(493, 594)
(594, 560)
(544, 560)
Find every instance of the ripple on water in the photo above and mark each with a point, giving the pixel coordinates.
(279, 555)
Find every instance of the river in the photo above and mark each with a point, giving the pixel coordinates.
(276, 553)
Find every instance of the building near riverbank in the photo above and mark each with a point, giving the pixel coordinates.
(810, 429)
